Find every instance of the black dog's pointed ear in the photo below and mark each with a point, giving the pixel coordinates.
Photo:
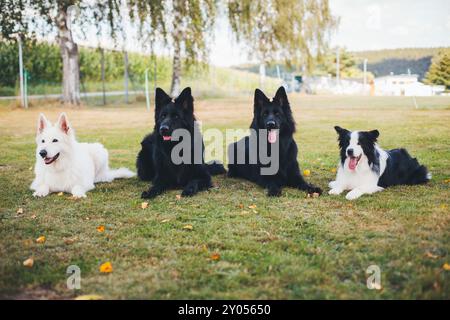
(340, 130)
(161, 98)
(281, 97)
(260, 99)
(185, 100)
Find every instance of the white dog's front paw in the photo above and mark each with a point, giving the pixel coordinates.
(354, 194)
(335, 191)
(78, 192)
(41, 191)
(332, 184)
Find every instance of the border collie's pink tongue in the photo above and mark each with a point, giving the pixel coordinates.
(167, 138)
(352, 163)
(272, 136)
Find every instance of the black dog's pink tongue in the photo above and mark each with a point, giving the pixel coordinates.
(272, 136)
(167, 138)
(352, 163)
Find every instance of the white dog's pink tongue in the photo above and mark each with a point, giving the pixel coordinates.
(167, 138)
(352, 163)
(272, 136)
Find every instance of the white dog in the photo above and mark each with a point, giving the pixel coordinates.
(63, 164)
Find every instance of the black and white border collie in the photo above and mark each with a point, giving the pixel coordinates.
(365, 168)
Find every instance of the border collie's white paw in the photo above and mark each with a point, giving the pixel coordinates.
(335, 191)
(42, 191)
(78, 192)
(354, 194)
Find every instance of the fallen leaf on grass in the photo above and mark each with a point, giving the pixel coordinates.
(28, 263)
(430, 255)
(215, 256)
(19, 211)
(33, 216)
(447, 180)
(253, 206)
(446, 267)
(165, 220)
(188, 227)
(101, 228)
(89, 297)
(144, 205)
(241, 206)
(306, 172)
(70, 240)
(41, 239)
(60, 194)
(106, 267)
(178, 196)
(333, 170)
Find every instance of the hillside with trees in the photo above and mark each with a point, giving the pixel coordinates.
(398, 61)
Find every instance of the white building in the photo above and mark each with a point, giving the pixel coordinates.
(404, 85)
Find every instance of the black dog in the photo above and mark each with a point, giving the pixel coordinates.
(276, 117)
(154, 161)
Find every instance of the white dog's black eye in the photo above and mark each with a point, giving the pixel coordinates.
(55, 140)
(43, 141)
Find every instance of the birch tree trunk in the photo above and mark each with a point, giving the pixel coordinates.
(70, 60)
(177, 38)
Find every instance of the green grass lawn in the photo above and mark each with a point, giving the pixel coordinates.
(290, 247)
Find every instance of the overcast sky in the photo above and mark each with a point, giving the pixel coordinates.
(365, 25)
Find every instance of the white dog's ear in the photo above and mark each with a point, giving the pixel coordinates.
(63, 123)
(42, 123)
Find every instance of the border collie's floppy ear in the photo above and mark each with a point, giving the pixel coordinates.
(260, 99)
(63, 123)
(42, 123)
(373, 134)
(281, 97)
(340, 130)
(185, 100)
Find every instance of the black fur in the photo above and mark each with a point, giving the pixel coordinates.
(401, 168)
(278, 111)
(154, 161)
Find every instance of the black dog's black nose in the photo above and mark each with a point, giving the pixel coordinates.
(350, 152)
(164, 129)
(43, 153)
(271, 124)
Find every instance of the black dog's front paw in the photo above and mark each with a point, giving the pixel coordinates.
(150, 194)
(313, 189)
(188, 192)
(274, 192)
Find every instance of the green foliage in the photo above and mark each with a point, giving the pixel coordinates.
(289, 29)
(439, 72)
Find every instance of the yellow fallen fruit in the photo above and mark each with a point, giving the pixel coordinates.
(106, 267)
(446, 267)
(306, 172)
(333, 170)
(28, 263)
(188, 227)
(89, 297)
(144, 205)
(60, 194)
(178, 196)
(101, 228)
(41, 239)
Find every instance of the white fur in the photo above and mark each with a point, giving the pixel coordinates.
(362, 180)
(78, 166)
